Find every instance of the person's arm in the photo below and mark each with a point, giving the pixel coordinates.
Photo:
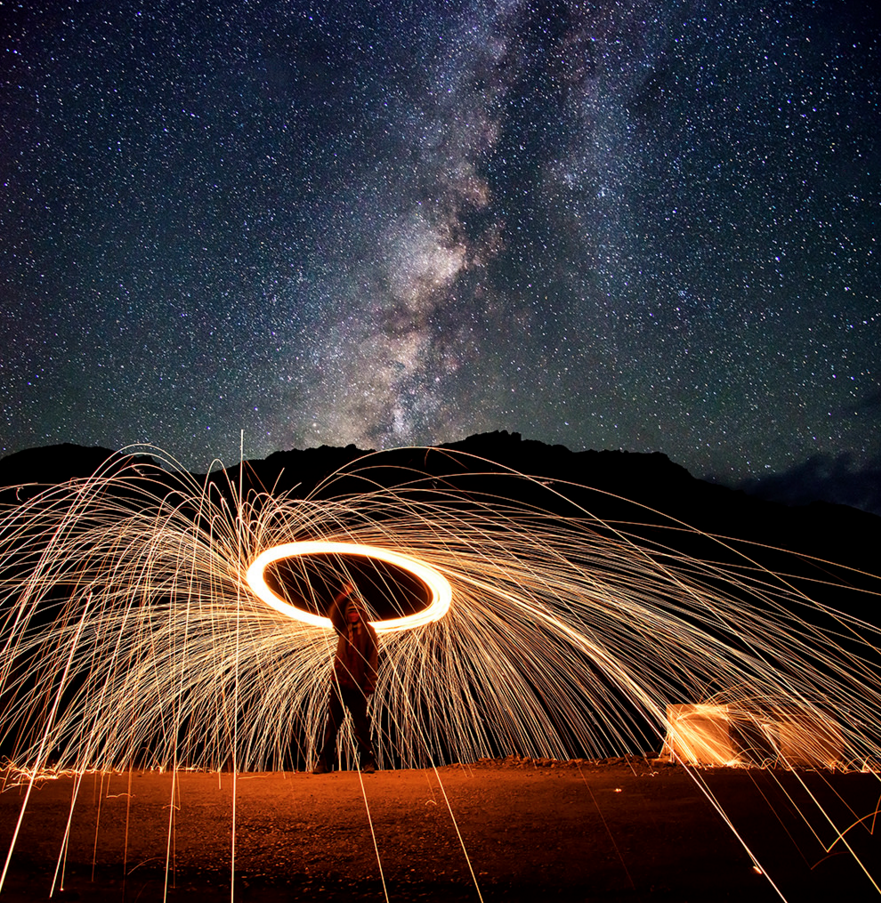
(337, 610)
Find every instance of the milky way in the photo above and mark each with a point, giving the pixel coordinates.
(642, 225)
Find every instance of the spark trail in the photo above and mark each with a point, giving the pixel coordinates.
(125, 599)
(130, 632)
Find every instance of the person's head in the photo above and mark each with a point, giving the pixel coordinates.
(353, 611)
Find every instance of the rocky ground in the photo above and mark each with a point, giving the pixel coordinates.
(617, 830)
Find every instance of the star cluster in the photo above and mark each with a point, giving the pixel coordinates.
(645, 225)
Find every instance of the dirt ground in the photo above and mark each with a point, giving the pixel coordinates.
(621, 830)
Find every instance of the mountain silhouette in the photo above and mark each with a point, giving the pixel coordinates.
(648, 495)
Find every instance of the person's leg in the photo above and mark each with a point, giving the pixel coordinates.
(335, 715)
(356, 703)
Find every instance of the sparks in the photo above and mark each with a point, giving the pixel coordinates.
(138, 625)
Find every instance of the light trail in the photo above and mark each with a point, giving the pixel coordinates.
(437, 584)
(137, 627)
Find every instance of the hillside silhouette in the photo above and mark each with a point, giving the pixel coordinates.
(647, 495)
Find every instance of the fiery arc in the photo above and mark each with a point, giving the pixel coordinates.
(441, 593)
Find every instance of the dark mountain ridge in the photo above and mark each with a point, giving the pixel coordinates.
(616, 486)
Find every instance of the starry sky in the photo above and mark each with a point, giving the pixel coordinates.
(648, 225)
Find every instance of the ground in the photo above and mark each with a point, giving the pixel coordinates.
(619, 830)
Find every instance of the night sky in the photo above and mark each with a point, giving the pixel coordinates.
(640, 225)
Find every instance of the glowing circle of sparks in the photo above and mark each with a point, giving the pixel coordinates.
(439, 588)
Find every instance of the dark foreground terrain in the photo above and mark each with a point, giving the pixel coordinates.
(628, 830)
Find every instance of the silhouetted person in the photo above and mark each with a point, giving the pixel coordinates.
(353, 679)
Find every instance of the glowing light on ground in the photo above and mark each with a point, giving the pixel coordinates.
(438, 586)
